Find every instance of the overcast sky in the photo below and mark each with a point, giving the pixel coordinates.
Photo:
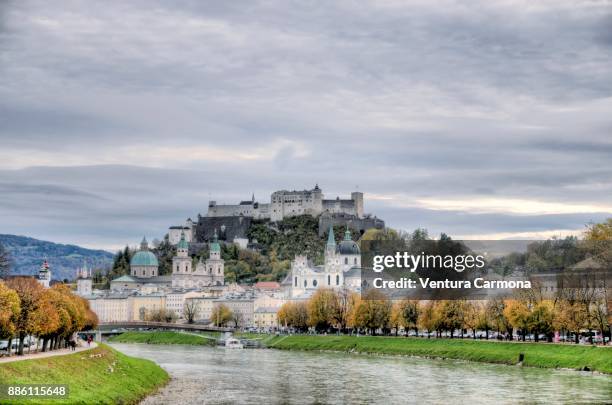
(478, 119)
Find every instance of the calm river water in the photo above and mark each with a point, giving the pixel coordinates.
(260, 376)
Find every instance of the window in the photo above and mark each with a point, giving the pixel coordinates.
(314, 283)
(346, 260)
(337, 279)
(305, 283)
(355, 261)
(328, 279)
(295, 282)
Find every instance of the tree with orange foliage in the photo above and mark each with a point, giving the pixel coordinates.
(46, 317)
(517, 312)
(345, 302)
(373, 312)
(11, 308)
(29, 291)
(322, 309)
(294, 314)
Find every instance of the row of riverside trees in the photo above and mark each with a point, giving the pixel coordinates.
(570, 310)
(528, 313)
(52, 314)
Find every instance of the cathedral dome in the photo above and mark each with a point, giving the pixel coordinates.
(144, 258)
(348, 247)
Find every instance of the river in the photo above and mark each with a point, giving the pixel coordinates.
(257, 376)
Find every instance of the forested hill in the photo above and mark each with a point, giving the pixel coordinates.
(277, 243)
(27, 254)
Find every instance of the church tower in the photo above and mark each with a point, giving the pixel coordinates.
(215, 265)
(84, 282)
(181, 263)
(44, 275)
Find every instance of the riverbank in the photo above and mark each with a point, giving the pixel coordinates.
(164, 338)
(100, 375)
(535, 354)
(542, 355)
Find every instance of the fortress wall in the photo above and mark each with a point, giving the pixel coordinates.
(358, 224)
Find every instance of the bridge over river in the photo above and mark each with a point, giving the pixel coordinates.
(115, 328)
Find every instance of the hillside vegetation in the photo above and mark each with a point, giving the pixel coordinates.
(278, 243)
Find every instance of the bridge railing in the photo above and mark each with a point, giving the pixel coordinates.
(163, 325)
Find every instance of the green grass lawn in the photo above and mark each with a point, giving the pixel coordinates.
(536, 354)
(164, 338)
(101, 376)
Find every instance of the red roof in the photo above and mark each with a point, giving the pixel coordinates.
(267, 285)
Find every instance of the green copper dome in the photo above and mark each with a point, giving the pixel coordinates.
(347, 246)
(214, 245)
(182, 243)
(143, 257)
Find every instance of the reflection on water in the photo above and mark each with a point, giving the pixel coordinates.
(216, 375)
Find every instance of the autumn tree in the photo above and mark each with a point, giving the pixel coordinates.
(428, 317)
(373, 312)
(451, 316)
(322, 309)
(72, 315)
(405, 313)
(571, 316)
(46, 318)
(541, 319)
(161, 315)
(483, 319)
(29, 291)
(470, 316)
(221, 315)
(345, 303)
(495, 313)
(517, 312)
(91, 318)
(294, 314)
(396, 320)
(9, 315)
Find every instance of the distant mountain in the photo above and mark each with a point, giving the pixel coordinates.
(27, 255)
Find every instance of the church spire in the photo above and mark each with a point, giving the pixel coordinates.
(144, 245)
(331, 238)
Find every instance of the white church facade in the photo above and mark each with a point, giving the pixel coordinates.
(206, 273)
(341, 269)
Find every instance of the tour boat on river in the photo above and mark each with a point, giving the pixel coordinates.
(233, 343)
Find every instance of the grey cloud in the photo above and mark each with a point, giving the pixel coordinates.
(470, 100)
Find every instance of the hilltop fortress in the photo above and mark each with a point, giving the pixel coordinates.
(231, 221)
(286, 203)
